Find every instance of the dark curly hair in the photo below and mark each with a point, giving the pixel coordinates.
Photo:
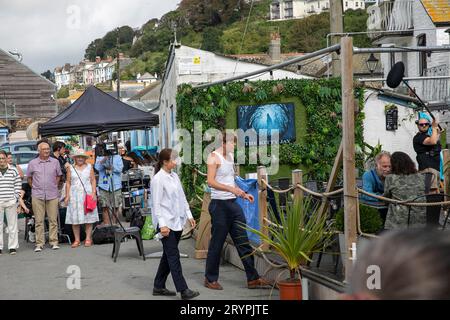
(402, 164)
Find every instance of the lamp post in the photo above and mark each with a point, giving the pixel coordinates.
(118, 64)
(372, 63)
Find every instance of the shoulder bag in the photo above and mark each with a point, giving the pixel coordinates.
(89, 203)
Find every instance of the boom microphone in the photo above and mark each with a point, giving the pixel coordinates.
(396, 75)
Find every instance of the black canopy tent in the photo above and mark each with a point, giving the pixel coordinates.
(95, 113)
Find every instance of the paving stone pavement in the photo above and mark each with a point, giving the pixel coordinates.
(45, 275)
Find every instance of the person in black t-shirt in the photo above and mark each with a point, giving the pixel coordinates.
(428, 148)
(426, 143)
(59, 150)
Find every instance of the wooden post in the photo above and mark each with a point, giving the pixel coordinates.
(262, 203)
(237, 170)
(445, 165)
(297, 178)
(204, 229)
(333, 177)
(348, 115)
(336, 26)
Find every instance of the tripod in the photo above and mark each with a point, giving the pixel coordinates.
(112, 208)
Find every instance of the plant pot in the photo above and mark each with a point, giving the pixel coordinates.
(290, 289)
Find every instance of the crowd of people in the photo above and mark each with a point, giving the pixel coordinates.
(57, 181)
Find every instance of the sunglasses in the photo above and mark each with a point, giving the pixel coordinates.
(423, 124)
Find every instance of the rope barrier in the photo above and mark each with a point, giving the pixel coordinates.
(339, 191)
(406, 202)
(320, 195)
(200, 173)
(276, 190)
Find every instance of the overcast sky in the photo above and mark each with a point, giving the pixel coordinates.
(50, 33)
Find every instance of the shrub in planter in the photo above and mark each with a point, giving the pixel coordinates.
(371, 221)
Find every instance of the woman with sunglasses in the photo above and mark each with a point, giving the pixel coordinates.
(428, 148)
(426, 143)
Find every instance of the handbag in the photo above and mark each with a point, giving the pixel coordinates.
(104, 234)
(89, 203)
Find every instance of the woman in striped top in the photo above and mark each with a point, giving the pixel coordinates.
(10, 186)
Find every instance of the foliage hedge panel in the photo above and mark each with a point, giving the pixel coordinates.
(315, 151)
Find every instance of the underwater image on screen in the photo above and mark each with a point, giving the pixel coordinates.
(274, 116)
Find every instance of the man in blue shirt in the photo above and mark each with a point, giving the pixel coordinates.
(373, 181)
(109, 196)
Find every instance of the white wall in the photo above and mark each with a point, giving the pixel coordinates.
(375, 127)
(400, 139)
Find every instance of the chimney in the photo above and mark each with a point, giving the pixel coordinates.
(67, 66)
(98, 59)
(275, 47)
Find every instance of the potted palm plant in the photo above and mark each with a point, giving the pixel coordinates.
(299, 232)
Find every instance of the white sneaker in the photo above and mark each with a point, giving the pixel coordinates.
(37, 249)
(55, 247)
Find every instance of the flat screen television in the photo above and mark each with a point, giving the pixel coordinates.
(273, 116)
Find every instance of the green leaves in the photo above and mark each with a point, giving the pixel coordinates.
(321, 99)
(261, 94)
(299, 233)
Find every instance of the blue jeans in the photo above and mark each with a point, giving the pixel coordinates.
(227, 217)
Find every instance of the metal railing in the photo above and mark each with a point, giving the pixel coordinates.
(434, 89)
(390, 16)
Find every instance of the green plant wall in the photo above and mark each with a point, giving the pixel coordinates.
(318, 121)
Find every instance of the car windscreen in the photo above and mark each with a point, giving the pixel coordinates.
(24, 158)
(29, 147)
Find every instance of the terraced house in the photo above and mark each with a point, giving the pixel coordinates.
(298, 9)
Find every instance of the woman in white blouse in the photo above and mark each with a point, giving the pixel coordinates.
(170, 212)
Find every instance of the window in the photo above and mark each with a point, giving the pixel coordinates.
(172, 119)
(24, 158)
(357, 3)
(422, 42)
(392, 58)
(346, 4)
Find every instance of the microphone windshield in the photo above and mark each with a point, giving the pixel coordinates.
(396, 75)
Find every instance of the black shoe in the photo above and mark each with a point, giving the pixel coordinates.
(12, 251)
(189, 294)
(163, 292)
(0, 252)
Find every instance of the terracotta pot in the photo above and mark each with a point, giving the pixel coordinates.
(290, 290)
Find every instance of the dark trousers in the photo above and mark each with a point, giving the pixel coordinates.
(434, 213)
(170, 263)
(383, 214)
(227, 217)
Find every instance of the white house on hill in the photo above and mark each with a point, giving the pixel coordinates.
(298, 9)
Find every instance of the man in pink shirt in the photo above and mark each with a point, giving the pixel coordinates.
(44, 174)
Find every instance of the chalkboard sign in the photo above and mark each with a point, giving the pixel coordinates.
(392, 119)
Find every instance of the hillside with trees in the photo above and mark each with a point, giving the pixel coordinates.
(218, 26)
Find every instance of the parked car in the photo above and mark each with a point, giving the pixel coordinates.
(29, 145)
(22, 158)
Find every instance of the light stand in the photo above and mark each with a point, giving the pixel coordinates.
(113, 210)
